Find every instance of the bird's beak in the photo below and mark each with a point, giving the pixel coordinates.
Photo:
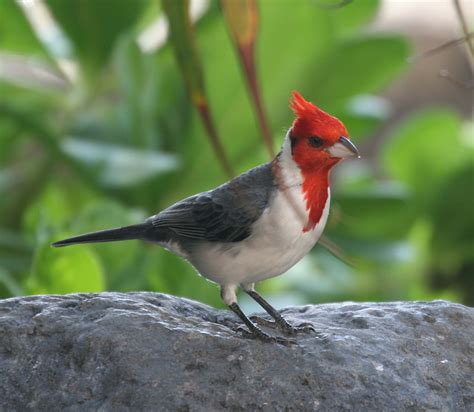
(343, 148)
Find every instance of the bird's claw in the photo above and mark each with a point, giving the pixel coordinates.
(263, 337)
(285, 327)
(263, 322)
(303, 328)
(308, 328)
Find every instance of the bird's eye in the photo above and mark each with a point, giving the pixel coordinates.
(315, 141)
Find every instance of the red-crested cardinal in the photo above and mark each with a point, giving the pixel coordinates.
(259, 224)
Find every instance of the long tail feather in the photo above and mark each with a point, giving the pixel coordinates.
(110, 235)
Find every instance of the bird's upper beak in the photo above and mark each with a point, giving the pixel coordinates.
(343, 148)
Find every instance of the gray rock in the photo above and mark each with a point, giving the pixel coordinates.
(153, 352)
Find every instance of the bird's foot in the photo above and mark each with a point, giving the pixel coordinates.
(263, 337)
(305, 328)
(287, 328)
(301, 328)
(264, 322)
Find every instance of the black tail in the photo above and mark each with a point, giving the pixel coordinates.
(110, 235)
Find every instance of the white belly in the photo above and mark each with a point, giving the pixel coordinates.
(277, 243)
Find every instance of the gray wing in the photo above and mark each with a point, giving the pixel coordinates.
(224, 214)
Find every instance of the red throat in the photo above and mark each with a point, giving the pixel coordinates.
(315, 186)
(315, 189)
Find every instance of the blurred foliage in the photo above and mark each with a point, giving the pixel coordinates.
(95, 132)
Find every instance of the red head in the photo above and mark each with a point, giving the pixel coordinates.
(317, 138)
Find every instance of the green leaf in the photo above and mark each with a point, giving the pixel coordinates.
(363, 114)
(48, 213)
(94, 26)
(185, 49)
(242, 18)
(452, 242)
(10, 239)
(381, 211)
(361, 66)
(353, 15)
(117, 165)
(16, 33)
(66, 270)
(8, 281)
(150, 14)
(151, 108)
(425, 149)
(359, 127)
(382, 251)
(15, 259)
(119, 258)
(137, 80)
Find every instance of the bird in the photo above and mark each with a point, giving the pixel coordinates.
(257, 225)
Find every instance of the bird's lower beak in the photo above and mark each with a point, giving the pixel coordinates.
(343, 148)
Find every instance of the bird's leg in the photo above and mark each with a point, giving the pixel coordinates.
(280, 321)
(229, 297)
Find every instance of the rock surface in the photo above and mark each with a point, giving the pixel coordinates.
(152, 352)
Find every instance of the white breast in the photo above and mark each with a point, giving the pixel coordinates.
(277, 242)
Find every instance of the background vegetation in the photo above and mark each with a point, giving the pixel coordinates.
(97, 130)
